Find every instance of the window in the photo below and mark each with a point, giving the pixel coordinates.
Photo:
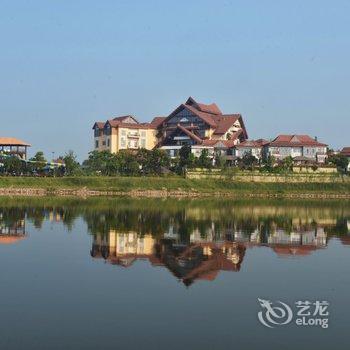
(143, 133)
(107, 130)
(122, 142)
(96, 144)
(108, 142)
(123, 132)
(143, 143)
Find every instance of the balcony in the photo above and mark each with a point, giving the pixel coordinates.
(134, 135)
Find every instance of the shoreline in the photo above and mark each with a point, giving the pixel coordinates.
(176, 187)
(85, 192)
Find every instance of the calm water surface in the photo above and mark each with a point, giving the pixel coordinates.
(170, 274)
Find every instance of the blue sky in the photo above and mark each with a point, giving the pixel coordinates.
(64, 64)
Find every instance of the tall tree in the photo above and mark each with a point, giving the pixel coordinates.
(71, 164)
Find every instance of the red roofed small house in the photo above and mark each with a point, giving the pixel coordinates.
(297, 146)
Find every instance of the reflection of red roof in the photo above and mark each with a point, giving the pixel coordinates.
(295, 140)
(10, 239)
(284, 249)
(345, 240)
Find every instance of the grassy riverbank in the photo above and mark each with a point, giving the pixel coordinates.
(196, 187)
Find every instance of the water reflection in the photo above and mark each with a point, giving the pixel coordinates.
(187, 259)
(189, 239)
(12, 226)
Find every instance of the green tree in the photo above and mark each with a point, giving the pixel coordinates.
(248, 161)
(98, 162)
(71, 164)
(186, 157)
(38, 161)
(220, 160)
(268, 163)
(13, 165)
(287, 164)
(204, 160)
(127, 163)
(340, 161)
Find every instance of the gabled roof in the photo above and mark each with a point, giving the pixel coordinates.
(253, 143)
(206, 117)
(211, 108)
(124, 117)
(295, 140)
(211, 115)
(99, 125)
(11, 141)
(157, 121)
(227, 143)
(345, 151)
(224, 122)
(116, 122)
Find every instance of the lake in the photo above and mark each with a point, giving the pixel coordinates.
(174, 274)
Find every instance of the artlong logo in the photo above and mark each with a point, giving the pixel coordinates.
(274, 315)
(308, 313)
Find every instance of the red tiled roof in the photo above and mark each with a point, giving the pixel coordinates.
(11, 141)
(295, 140)
(212, 108)
(221, 123)
(253, 143)
(227, 143)
(123, 117)
(224, 122)
(206, 117)
(99, 125)
(345, 151)
(157, 121)
(116, 123)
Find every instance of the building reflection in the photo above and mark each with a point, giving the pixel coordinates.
(202, 254)
(192, 244)
(12, 228)
(188, 260)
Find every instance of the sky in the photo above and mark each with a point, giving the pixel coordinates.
(284, 65)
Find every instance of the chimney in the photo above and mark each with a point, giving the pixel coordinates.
(315, 138)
